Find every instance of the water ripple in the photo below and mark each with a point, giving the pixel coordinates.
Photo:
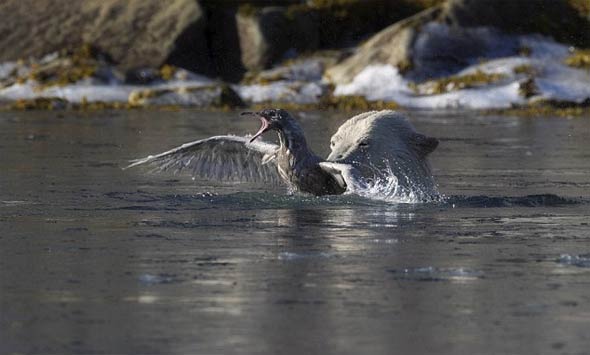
(582, 260)
(430, 273)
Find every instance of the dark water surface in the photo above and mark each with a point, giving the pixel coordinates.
(94, 259)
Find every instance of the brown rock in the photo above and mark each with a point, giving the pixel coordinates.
(216, 95)
(556, 18)
(473, 26)
(224, 43)
(134, 33)
(393, 45)
(266, 34)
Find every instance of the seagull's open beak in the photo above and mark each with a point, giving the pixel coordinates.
(265, 125)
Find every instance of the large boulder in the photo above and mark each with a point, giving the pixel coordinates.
(266, 34)
(134, 33)
(343, 23)
(224, 42)
(560, 19)
(393, 45)
(442, 40)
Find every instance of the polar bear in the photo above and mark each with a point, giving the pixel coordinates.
(381, 144)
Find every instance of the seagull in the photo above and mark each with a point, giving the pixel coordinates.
(291, 162)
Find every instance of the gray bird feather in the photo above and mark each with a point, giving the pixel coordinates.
(224, 158)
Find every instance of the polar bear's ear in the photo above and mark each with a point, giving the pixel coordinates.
(424, 145)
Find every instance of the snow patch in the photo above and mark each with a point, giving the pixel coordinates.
(531, 64)
(88, 92)
(553, 80)
(383, 82)
(282, 91)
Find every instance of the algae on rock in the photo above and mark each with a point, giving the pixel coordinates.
(580, 58)
(457, 82)
(209, 96)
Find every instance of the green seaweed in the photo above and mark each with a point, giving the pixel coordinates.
(337, 103)
(70, 67)
(543, 110)
(580, 58)
(167, 72)
(454, 82)
(526, 69)
(49, 103)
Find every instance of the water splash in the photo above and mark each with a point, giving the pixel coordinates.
(385, 186)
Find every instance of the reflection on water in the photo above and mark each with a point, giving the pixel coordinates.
(99, 260)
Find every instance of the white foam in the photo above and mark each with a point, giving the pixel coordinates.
(385, 187)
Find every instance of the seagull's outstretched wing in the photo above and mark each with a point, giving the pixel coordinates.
(220, 158)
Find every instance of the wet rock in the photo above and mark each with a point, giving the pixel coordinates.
(219, 96)
(134, 33)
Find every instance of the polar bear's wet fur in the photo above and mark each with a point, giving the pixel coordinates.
(384, 143)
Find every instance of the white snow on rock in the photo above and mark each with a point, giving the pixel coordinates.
(89, 92)
(6, 69)
(282, 91)
(553, 79)
(383, 82)
(540, 66)
(299, 83)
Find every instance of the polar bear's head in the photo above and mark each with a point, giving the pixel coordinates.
(378, 140)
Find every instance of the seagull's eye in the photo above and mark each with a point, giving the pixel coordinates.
(332, 144)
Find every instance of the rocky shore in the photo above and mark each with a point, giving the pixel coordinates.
(344, 54)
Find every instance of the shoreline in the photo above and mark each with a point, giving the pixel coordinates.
(356, 105)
